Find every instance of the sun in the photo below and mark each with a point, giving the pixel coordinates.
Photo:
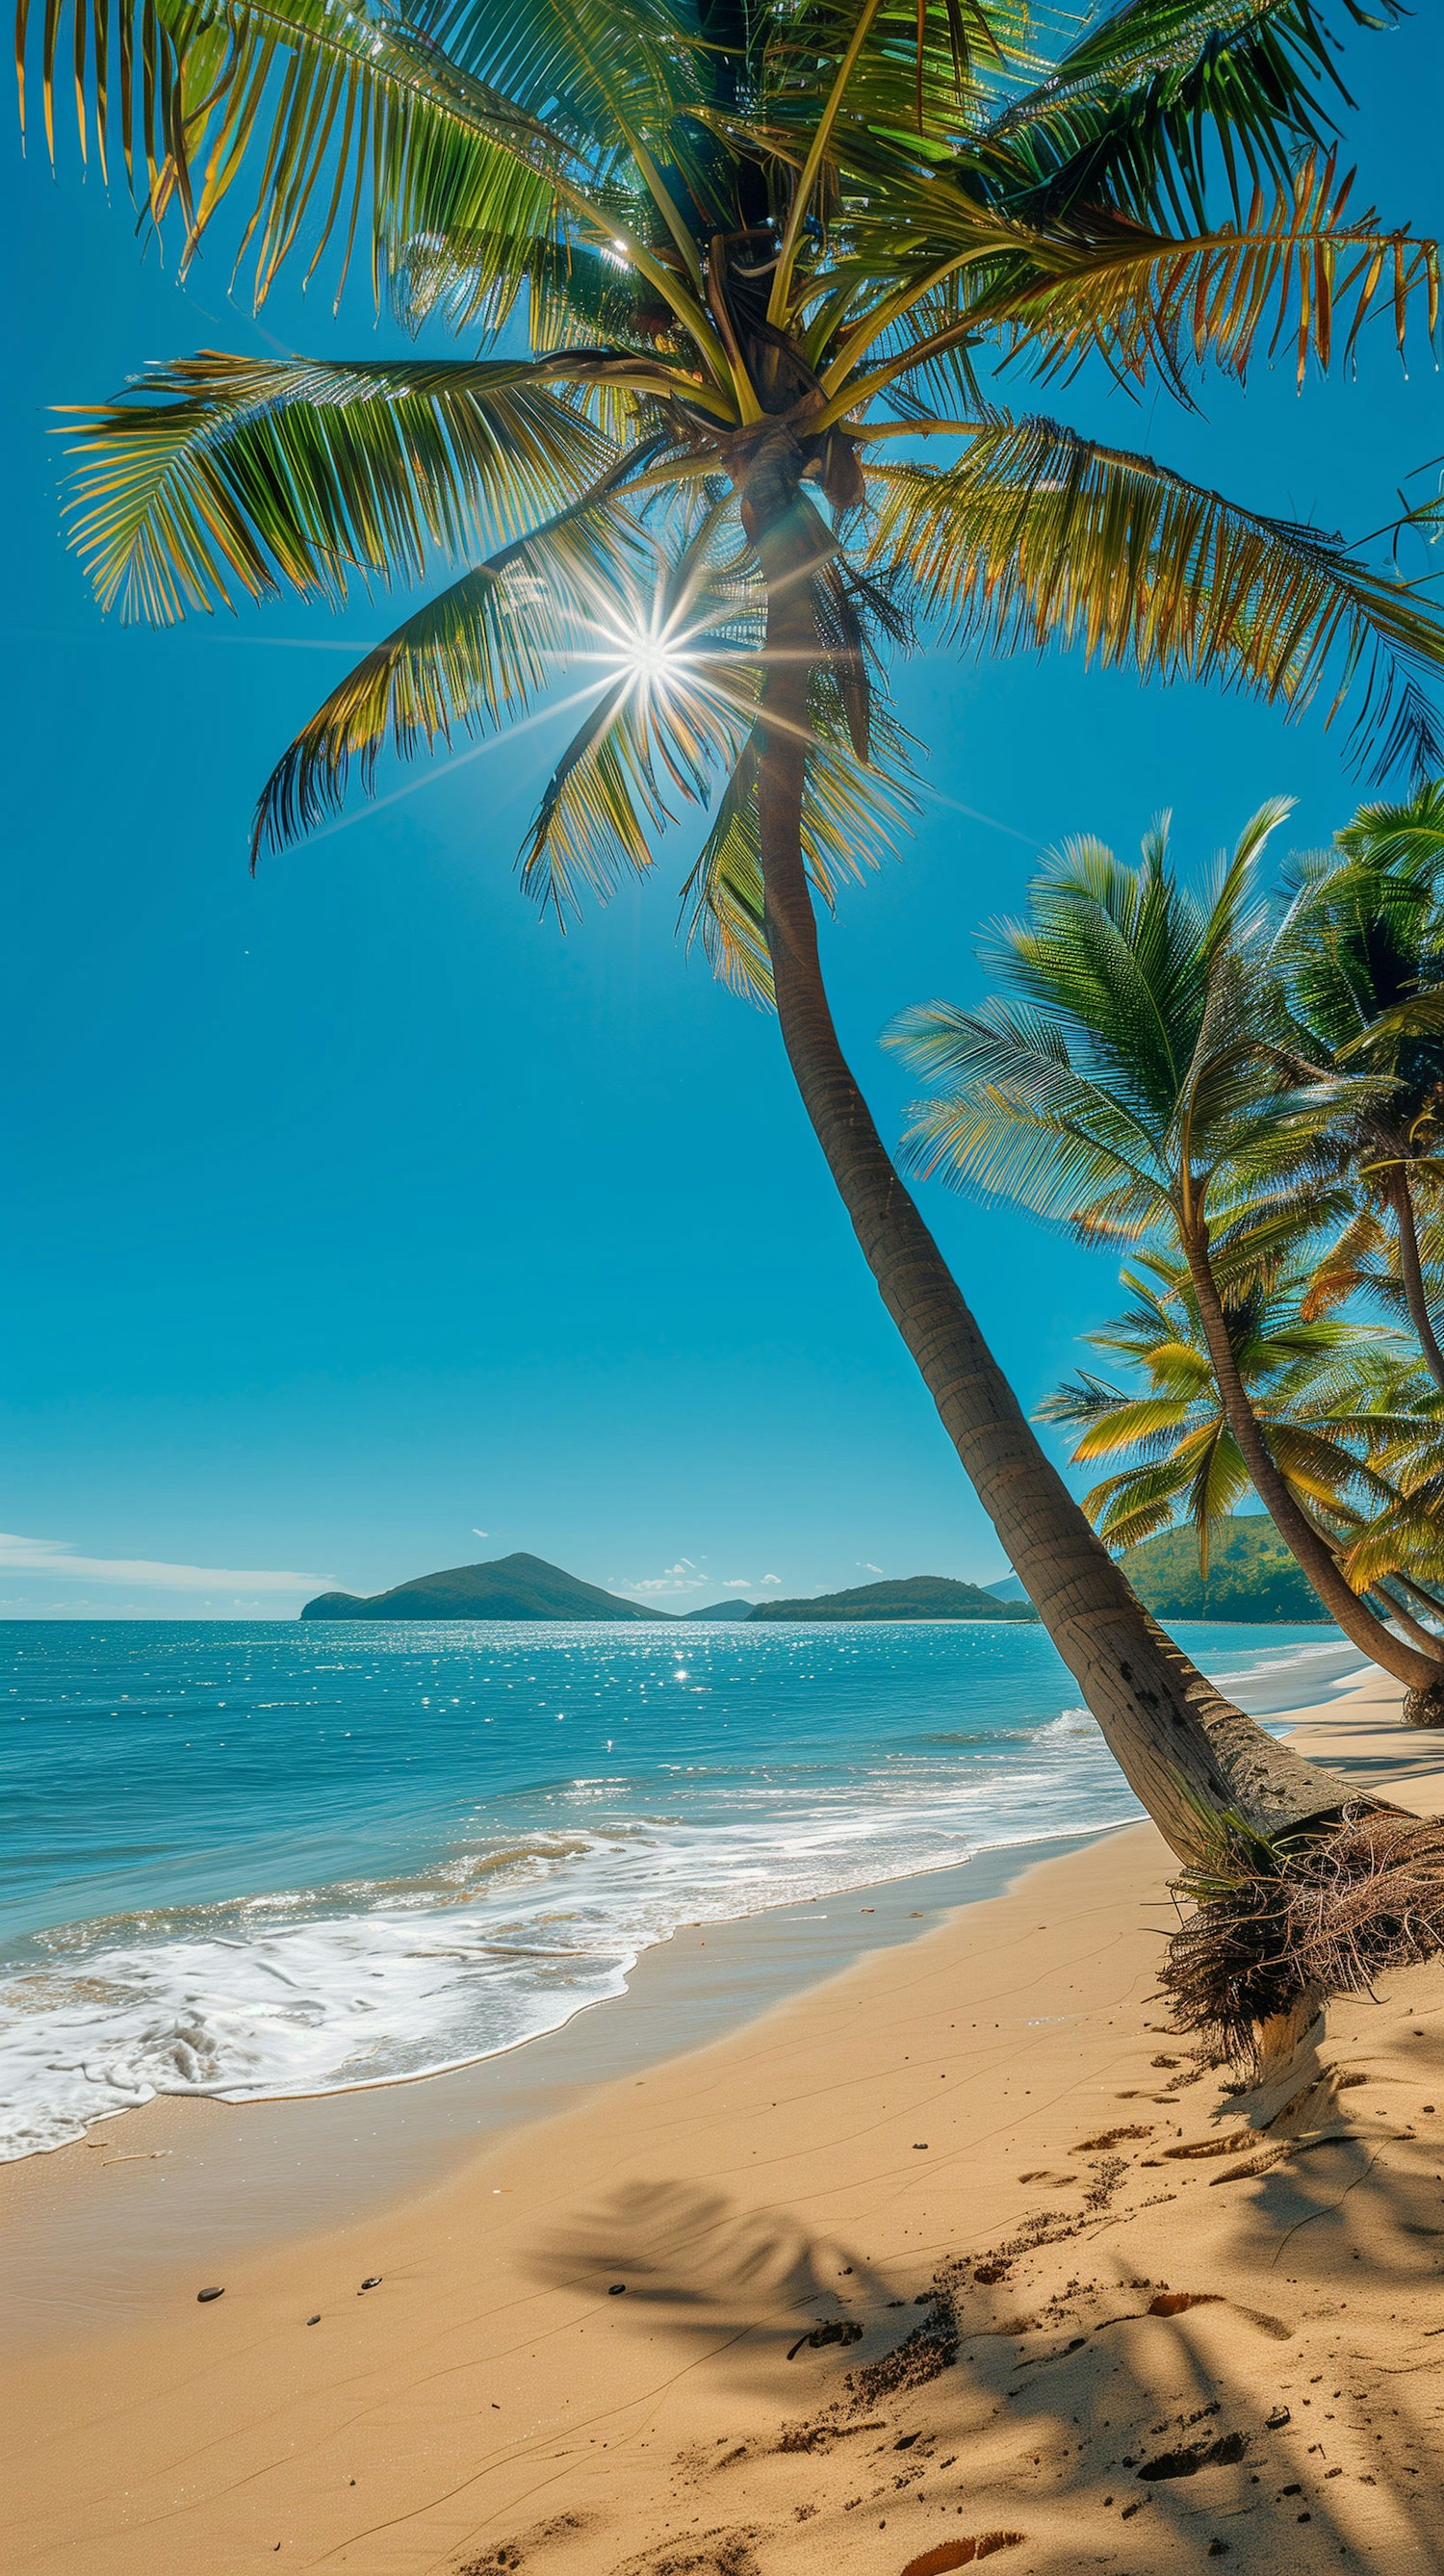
(657, 662)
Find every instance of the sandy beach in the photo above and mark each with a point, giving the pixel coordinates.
(955, 2254)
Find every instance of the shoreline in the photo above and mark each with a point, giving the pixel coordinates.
(206, 2179)
(85, 2255)
(947, 2095)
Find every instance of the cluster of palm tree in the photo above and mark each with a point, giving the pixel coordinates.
(1251, 1096)
(760, 288)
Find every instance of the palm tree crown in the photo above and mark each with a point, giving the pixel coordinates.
(759, 255)
(1145, 1085)
(1173, 1433)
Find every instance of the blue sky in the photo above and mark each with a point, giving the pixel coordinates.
(360, 1224)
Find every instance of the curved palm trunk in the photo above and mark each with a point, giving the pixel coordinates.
(1185, 1751)
(1411, 1273)
(1421, 1673)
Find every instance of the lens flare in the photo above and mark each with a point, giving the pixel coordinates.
(654, 659)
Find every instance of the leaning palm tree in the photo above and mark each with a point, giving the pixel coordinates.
(1134, 1088)
(742, 262)
(1314, 1382)
(1361, 949)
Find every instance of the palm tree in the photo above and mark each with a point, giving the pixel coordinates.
(1315, 1384)
(1174, 1433)
(1390, 1410)
(741, 264)
(1134, 1089)
(1362, 952)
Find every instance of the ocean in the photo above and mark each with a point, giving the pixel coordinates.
(277, 1859)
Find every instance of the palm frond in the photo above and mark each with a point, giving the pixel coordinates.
(664, 732)
(1299, 274)
(220, 474)
(313, 113)
(853, 816)
(1039, 536)
(475, 655)
(1408, 834)
(1152, 97)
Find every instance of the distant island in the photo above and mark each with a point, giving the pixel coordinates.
(1251, 1577)
(509, 1587)
(526, 1587)
(916, 1596)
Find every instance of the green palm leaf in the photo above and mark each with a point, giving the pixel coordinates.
(319, 112)
(222, 473)
(1153, 95)
(1039, 536)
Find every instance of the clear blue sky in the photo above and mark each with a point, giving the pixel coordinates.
(354, 1212)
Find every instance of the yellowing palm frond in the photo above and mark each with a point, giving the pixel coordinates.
(1039, 536)
(1299, 273)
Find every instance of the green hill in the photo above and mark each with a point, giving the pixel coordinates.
(509, 1587)
(917, 1596)
(721, 1610)
(1251, 1576)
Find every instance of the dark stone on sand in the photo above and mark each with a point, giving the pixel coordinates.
(616, 2290)
(203, 2295)
(315, 2320)
(1186, 2462)
(1278, 2419)
(374, 2283)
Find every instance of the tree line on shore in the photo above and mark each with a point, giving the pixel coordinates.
(738, 266)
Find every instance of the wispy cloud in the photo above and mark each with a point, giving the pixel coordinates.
(867, 1565)
(57, 1557)
(681, 1577)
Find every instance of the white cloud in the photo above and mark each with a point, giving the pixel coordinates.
(476, 1533)
(867, 1565)
(772, 1578)
(738, 1583)
(681, 1577)
(56, 1556)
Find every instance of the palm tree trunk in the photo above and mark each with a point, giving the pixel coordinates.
(1411, 1272)
(1421, 1673)
(1186, 1752)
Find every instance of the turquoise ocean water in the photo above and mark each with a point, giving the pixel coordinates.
(272, 1859)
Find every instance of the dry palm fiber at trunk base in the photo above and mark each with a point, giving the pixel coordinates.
(1270, 1925)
